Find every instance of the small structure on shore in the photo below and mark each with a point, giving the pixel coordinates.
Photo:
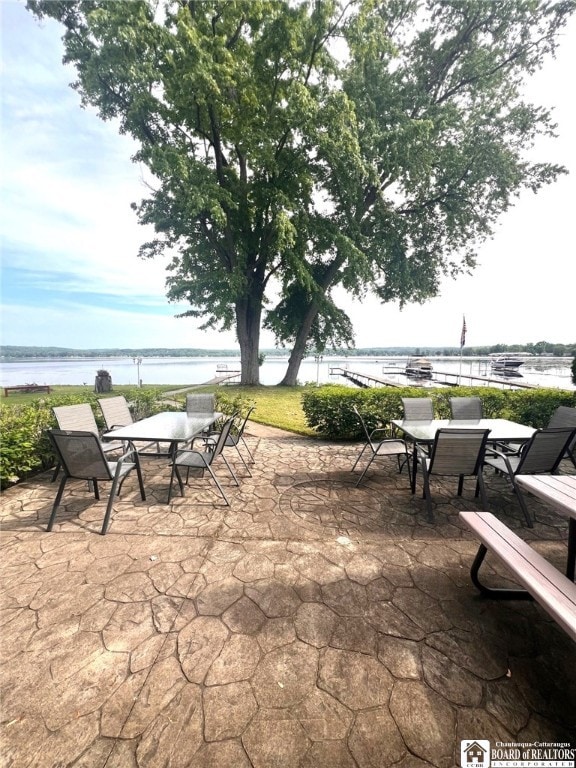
(103, 381)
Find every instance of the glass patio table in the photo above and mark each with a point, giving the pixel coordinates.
(424, 432)
(172, 427)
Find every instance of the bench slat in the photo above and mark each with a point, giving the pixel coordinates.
(554, 591)
(550, 488)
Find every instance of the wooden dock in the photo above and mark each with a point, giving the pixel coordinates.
(363, 379)
(443, 378)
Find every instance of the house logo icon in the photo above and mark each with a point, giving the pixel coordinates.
(475, 754)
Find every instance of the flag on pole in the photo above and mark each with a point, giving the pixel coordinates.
(463, 334)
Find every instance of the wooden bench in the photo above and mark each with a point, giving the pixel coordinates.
(27, 389)
(542, 582)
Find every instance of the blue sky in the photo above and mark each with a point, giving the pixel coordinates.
(70, 272)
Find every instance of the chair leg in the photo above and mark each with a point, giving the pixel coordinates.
(230, 469)
(365, 470)
(55, 473)
(427, 495)
(522, 503)
(482, 489)
(113, 491)
(242, 460)
(56, 502)
(359, 457)
(140, 480)
(414, 469)
(460, 484)
(245, 444)
(405, 461)
(177, 473)
(209, 468)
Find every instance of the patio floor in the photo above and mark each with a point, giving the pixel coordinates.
(310, 624)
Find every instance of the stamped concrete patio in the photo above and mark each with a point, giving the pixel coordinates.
(310, 624)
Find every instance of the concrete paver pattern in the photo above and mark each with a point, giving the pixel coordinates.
(310, 624)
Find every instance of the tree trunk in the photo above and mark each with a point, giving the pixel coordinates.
(248, 314)
(299, 349)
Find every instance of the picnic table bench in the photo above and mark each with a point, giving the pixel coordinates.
(27, 389)
(542, 582)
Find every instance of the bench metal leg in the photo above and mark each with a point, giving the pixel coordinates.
(571, 562)
(496, 593)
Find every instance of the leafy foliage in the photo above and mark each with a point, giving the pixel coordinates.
(278, 165)
(329, 411)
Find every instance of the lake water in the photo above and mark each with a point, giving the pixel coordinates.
(184, 371)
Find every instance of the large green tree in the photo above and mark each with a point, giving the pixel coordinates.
(300, 146)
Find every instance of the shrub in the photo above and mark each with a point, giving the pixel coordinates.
(329, 411)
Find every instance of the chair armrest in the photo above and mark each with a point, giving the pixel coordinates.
(495, 452)
(130, 452)
(500, 455)
(381, 429)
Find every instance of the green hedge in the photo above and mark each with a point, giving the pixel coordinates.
(329, 411)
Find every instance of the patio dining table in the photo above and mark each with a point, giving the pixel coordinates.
(424, 432)
(173, 427)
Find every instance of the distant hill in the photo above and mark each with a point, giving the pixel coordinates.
(36, 353)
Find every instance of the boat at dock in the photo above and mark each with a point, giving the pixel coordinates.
(418, 368)
(506, 365)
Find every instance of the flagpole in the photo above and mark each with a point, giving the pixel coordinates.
(462, 342)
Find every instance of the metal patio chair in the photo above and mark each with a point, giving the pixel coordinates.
(200, 403)
(380, 443)
(81, 418)
(454, 453)
(235, 437)
(81, 457)
(565, 416)
(541, 455)
(466, 408)
(418, 408)
(193, 459)
(117, 413)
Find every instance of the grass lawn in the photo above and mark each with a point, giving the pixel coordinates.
(279, 407)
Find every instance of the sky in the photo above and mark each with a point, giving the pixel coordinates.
(70, 273)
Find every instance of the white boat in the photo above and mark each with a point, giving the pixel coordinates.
(506, 365)
(418, 368)
(507, 362)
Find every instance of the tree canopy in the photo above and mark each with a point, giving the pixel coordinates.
(300, 146)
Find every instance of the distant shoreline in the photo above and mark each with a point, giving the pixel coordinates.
(13, 353)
